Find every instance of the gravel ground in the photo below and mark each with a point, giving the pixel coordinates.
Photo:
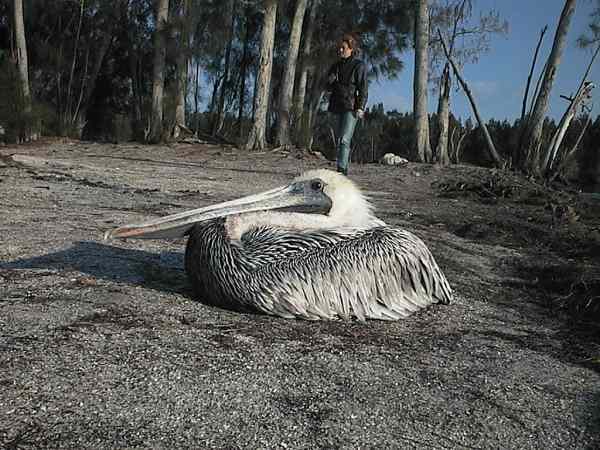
(102, 346)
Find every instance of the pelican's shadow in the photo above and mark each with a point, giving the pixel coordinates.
(161, 271)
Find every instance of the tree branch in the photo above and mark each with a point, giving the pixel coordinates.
(535, 55)
(490, 144)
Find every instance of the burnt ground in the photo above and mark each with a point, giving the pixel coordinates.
(102, 345)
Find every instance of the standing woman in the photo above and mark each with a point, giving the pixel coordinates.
(347, 81)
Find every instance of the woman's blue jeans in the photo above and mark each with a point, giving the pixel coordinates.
(345, 130)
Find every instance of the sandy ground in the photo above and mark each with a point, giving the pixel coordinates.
(102, 345)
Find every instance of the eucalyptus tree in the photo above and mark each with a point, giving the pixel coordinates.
(287, 88)
(421, 146)
(183, 26)
(21, 47)
(382, 26)
(68, 43)
(257, 136)
(155, 133)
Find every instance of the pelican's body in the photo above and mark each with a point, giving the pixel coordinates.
(332, 260)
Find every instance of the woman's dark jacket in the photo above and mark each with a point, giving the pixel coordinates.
(347, 81)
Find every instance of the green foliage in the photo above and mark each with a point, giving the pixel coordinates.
(64, 43)
(383, 27)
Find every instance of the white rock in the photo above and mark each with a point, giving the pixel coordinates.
(390, 159)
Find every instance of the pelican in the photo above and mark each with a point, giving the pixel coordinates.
(312, 249)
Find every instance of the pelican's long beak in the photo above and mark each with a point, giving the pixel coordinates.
(293, 196)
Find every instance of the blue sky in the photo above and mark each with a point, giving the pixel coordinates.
(498, 79)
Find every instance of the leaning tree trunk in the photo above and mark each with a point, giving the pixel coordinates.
(488, 139)
(421, 145)
(531, 143)
(287, 89)
(443, 114)
(256, 137)
(23, 68)
(158, 80)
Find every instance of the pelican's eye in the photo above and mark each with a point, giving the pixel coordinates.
(316, 185)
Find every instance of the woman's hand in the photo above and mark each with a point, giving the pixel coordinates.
(360, 113)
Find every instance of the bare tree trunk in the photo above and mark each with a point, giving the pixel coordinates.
(421, 146)
(456, 144)
(517, 150)
(443, 113)
(490, 144)
(533, 132)
(568, 156)
(220, 116)
(257, 136)
(535, 55)
(287, 88)
(182, 67)
(158, 80)
(306, 69)
(23, 65)
(579, 100)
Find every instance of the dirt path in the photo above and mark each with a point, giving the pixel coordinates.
(101, 345)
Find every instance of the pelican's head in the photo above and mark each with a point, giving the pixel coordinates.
(347, 204)
(316, 199)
